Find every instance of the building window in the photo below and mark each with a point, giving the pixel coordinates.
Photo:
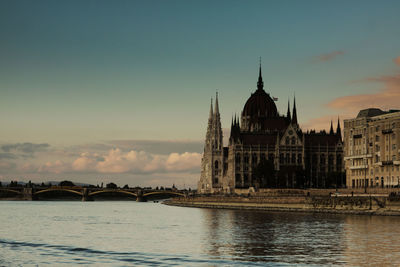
(246, 158)
(299, 159)
(293, 140)
(377, 138)
(394, 147)
(287, 140)
(293, 158)
(216, 164)
(238, 158)
(246, 178)
(254, 158)
(238, 179)
(281, 158)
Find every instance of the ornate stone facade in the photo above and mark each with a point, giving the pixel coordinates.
(267, 149)
(372, 152)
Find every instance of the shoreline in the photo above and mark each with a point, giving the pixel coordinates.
(280, 207)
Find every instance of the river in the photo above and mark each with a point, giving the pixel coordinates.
(127, 233)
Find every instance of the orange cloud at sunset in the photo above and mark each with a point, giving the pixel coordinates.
(387, 97)
(328, 56)
(397, 60)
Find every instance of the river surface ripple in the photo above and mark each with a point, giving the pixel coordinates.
(126, 233)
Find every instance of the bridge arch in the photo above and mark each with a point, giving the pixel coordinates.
(112, 191)
(11, 190)
(58, 189)
(164, 193)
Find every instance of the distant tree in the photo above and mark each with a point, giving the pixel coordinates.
(173, 186)
(101, 185)
(157, 188)
(126, 186)
(42, 184)
(111, 186)
(66, 183)
(162, 188)
(1, 184)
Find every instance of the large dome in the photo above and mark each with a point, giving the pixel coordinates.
(260, 104)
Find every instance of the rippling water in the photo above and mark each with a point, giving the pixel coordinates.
(130, 233)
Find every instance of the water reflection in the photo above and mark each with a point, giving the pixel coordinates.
(372, 241)
(296, 238)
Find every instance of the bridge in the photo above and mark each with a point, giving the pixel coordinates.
(88, 193)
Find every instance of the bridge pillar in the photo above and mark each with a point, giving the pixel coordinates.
(27, 194)
(85, 195)
(140, 197)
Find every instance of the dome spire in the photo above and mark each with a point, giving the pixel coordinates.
(288, 111)
(260, 83)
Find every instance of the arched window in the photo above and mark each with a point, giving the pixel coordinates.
(322, 159)
(293, 140)
(216, 164)
(238, 158)
(246, 158)
(254, 158)
(287, 140)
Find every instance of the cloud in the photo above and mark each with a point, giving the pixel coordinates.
(6, 166)
(328, 56)
(183, 162)
(397, 60)
(387, 97)
(57, 167)
(117, 161)
(163, 147)
(7, 156)
(24, 149)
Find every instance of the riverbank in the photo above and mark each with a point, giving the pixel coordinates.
(360, 204)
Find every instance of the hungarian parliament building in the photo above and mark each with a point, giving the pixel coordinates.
(269, 150)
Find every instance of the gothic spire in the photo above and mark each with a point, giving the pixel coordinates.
(331, 130)
(288, 110)
(216, 112)
(260, 83)
(338, 130)
(294, 115)
(210, 116)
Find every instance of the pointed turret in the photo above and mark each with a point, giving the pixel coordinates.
(338, 130)
(331, 130)
(294, 116)
(288, 111)
(210, 116)
(260, 83)
(216, 112)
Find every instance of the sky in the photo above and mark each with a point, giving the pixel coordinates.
(98, 91)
